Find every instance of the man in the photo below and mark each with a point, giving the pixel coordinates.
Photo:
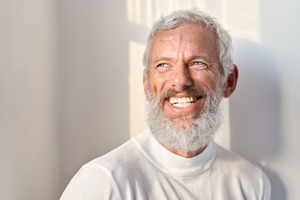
(189, 69)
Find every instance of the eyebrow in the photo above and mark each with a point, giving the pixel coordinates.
(164, 58)
(161, 58)
(204, 57)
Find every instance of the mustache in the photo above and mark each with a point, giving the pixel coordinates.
(188, 92)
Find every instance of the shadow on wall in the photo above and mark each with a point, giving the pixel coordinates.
(255, 110)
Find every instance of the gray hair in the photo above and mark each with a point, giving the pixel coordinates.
(195, 16)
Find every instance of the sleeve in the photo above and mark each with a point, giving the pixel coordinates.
(90, 183)
(266, 188)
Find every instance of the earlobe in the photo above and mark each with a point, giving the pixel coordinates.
(231, 82)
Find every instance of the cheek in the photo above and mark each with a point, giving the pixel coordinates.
(208, 81)
(157, 84)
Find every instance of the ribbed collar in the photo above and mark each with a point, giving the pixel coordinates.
(171, 163)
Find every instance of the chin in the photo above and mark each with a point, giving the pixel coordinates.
(185, 123)
(186, 131)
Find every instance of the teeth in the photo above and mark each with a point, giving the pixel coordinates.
(172, 100)
(182, 102)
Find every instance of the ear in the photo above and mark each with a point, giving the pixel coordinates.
(231, 82)
(145, 84)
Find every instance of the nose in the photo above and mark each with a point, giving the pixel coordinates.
(182, 78)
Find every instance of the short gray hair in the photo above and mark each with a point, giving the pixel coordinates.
(195, 16)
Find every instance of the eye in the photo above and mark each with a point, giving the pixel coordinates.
(162, 65)
(198, 65)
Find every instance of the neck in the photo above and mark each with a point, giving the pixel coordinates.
(184, 154)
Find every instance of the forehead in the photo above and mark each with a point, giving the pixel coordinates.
(187, 38)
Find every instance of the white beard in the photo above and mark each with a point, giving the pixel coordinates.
(193, 138)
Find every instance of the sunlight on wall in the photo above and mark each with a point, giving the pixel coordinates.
(137, 100)
(247, 25)
(145, 12)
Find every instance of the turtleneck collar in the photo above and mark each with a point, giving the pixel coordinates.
(171, 163)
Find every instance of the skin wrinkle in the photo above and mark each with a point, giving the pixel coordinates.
(159, 52)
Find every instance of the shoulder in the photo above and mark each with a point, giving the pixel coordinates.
(240, 172)
(99, 178)
(87, 181)
(126, 154)
(231, 161)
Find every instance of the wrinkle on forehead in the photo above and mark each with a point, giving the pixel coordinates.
(178, 39)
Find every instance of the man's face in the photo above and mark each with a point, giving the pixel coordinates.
(183, 61)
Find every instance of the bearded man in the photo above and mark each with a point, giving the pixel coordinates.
(188, 70)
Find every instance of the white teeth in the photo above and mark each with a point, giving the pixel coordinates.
(182, 102)
(182, 105)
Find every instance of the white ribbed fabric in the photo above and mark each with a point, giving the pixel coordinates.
(143, 169)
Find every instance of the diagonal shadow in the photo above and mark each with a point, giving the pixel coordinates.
(255, 110)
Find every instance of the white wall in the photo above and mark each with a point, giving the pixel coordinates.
(93, 92)
(58, 112)
(29, 142)
(265, 111)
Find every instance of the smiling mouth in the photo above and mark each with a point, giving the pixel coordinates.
(183, 102)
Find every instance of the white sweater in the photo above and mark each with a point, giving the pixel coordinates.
(143, 169)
